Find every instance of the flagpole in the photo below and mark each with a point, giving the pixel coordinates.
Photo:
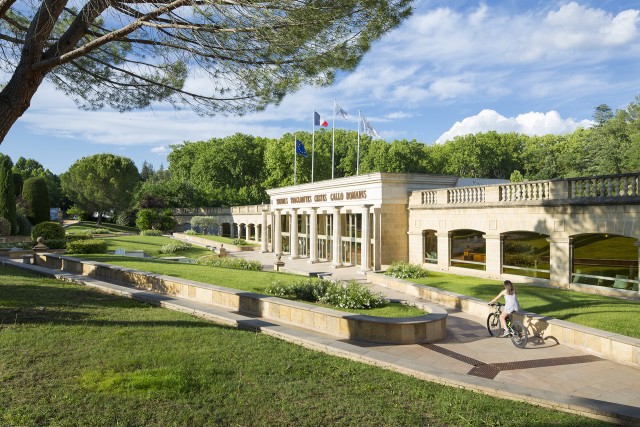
(358, 156)
(333, 138)
(295, 159)
(313, 141)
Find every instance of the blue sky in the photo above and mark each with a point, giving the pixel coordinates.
(455, 67)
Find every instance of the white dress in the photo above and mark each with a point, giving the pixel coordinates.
(511, 303)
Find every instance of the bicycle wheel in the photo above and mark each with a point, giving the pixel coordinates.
(493, 325)
(520, 335)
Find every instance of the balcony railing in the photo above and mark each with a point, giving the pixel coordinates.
(607, 188)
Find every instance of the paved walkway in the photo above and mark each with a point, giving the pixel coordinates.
(543, 373)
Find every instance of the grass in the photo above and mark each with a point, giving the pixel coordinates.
(596, 311)
(151, 246)
(251, 281)
(82, 226)
(70, 356)
(221, 239)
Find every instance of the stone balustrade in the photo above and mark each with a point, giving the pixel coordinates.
(607, 188)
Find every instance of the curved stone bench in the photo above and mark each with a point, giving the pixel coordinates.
(422, 329)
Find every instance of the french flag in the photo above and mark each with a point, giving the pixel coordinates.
(317, 121)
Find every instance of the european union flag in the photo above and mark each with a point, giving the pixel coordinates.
(300, 149)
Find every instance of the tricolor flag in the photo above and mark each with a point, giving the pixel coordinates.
(318, 121)
(300, 149)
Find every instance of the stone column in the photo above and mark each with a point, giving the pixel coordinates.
(313, 236)
(277, 233)
(493, 256)
(247, 232)
(263, 233)
(293, 235)
(377, 240)
(365, 240)
(337, 243)
(561, 260)
(635, 286)
(444, 249)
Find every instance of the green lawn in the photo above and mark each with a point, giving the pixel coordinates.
(251, 281)
(82, 226)
(151, 246)
(70, 356)
(600, 312)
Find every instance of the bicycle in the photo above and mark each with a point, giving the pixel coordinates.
(517, 331)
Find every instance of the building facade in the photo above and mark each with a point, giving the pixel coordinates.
(582, 230)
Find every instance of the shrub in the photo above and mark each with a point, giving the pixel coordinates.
(151, 233)
(305, 290)
(48, 229)
(350, 295)
(79, 213)
(100, 231)
(171, 248)
(405, 270)
(83, 235)
(239, 242)
(155, 219)
(5, 227)
(36, 196)
(87, 246)
(236, 263)
(127, 218)
(204, 224)
(56, 243)
(190, 232)
(24, 226)
(7, 193)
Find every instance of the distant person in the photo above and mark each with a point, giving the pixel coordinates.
(510, 305)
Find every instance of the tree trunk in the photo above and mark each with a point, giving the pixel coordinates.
(16, 96)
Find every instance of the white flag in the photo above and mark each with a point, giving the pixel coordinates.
(368, 129)
(338, 110)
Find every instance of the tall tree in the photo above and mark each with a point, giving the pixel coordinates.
(128, 54)
(101, 183)
(7, 193)
(36, 197)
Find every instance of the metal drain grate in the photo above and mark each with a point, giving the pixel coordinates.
(453, 355)
(491, 370)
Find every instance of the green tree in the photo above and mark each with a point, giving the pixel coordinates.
(30, 168)
(253, 53)
(7, 193)
(36, 196)
(602, 114)
(101, 183)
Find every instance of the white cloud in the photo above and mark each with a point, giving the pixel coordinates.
(160, 150)
(532, 123)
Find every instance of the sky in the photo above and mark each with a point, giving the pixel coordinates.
(453, 68)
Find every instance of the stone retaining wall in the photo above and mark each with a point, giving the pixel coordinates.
(423, 329)
(615, 347)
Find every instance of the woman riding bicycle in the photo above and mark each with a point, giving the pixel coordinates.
(511, 305)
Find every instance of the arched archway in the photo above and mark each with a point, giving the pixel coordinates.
(605, 260)
(429, 246)
(525, 253)
(468, 249)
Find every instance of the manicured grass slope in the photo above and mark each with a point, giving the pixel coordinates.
(70, 356)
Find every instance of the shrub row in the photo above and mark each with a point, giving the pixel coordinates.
(172, 248)
(87, 246)
(236, 263)
(151, 233)
(350, 295)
